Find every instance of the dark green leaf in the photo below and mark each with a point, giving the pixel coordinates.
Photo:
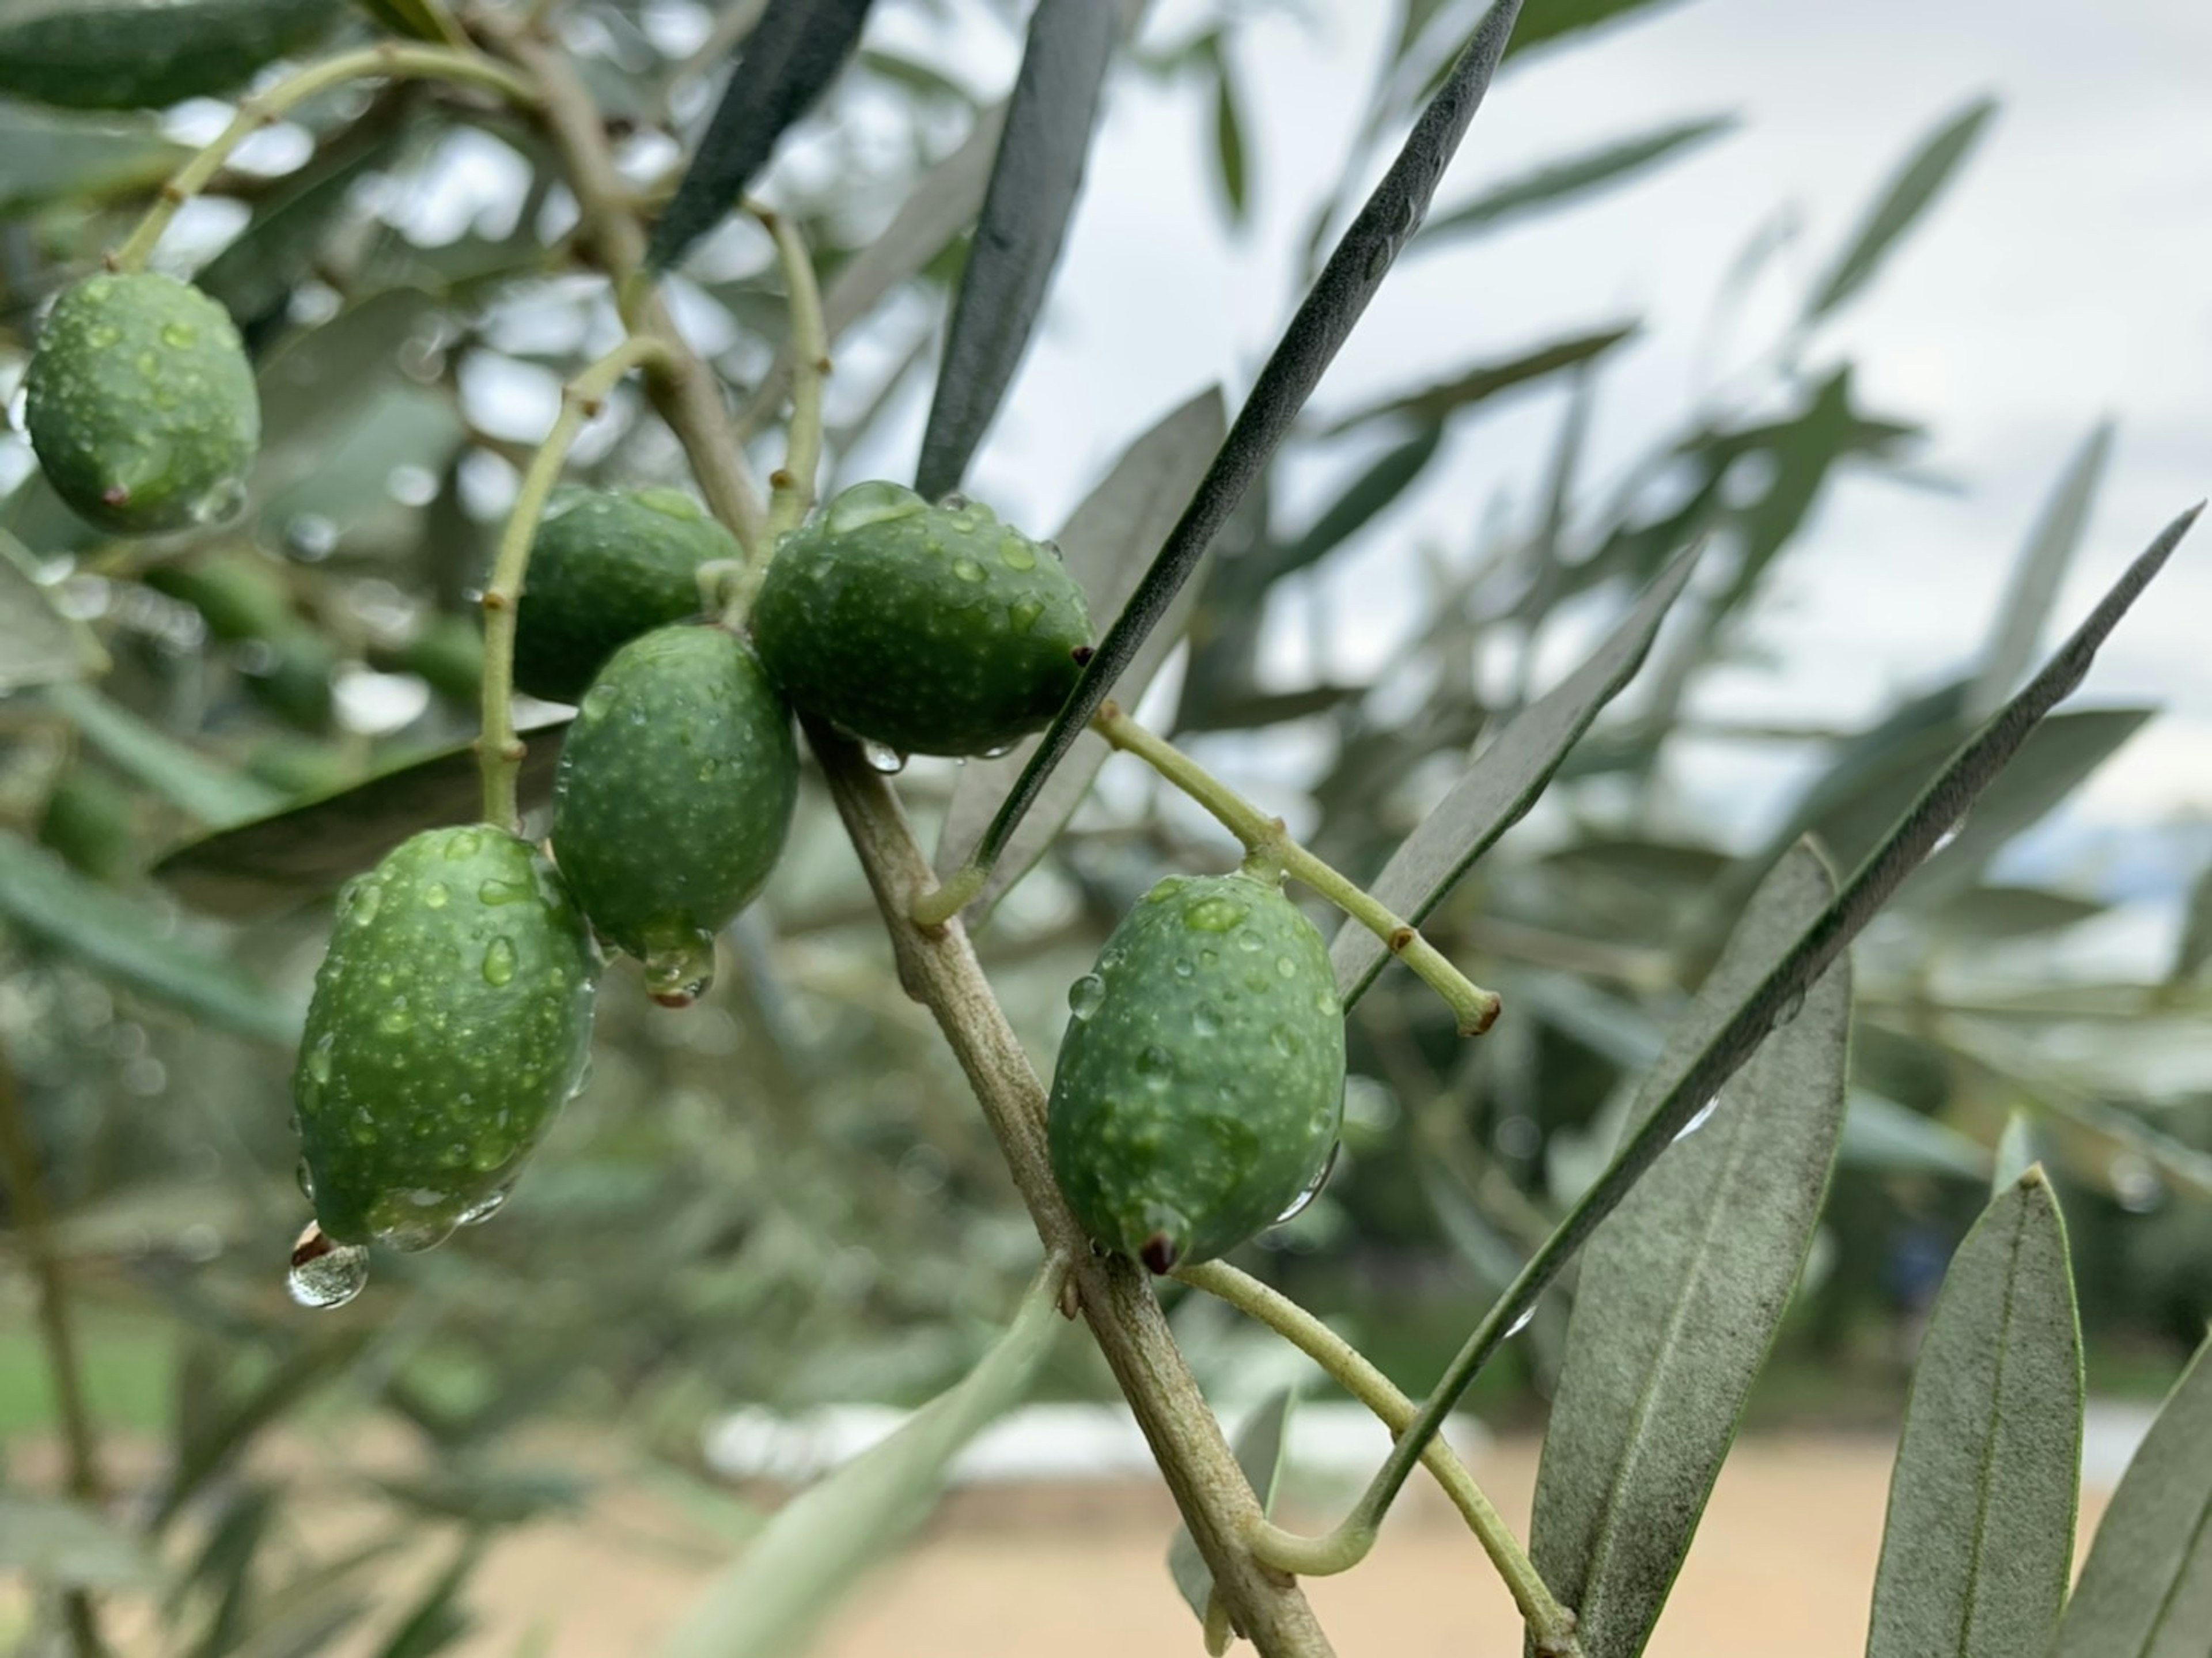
(1547, 21)
(1260, 1446)
(437, 1620)
(1034, 183)
(112, 935)
(39, 645)
(790, 1576)
(1362, 258)
(1994, 913)
(1563, 183)
(1436, 403)
(214, 1434)
(1503, 782)
(1107, 542)
(224, 1568)
(789, 61)
(1229, 140)
(279, 862)
(1980, 1534)
(47, 156)
(2036, 577)
(420, 20)
(1261, 708)
(1681, 1291)
(2146, 1589)
(68, 1544)
(182, 775)
(1909, 195)
(1392, 474)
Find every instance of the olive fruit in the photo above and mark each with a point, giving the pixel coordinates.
(450, 1019)
(674, 795)
(141, 54)
(1200, 1085)
(930, 629)
(142, 407)
(606, 566)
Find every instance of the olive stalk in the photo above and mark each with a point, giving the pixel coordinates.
(938, 966)
(499, 751)
(791, 487)
(1550, 1626)
(1270, 844)
(387, 60)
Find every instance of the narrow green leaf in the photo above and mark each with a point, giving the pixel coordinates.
(1555, 20)
(2146, 1589)
(2194, 948)
(276, 863)
(1486, 381)
(1261, 1445)
(47, 156)
(111, 934)
(437, 1620)
(1107, 542)
(182, 775)
(789, 1578)
(256, 275)
(420, 20)
(2040, 568)
(1980, 1534)
(1992, 914)
(1880, 1133)
(1563, 183)
(1503, 783)
(1370, 494)
(1681, 1291)
(1031, 199)
(2015, 1154)
(1229, 140)
(39, 645)
(1323, 321)
(788, 61)
(942, 205)
(70, 1546)
(213, 1434)
(1909, 195)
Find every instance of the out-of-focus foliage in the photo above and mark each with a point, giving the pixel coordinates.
(786, 1195)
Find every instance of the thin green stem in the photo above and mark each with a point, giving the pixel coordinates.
(1550, 1624)
(1267, 840)
(388, 59)
(34, 1222)
(499, 750)
(792, 489)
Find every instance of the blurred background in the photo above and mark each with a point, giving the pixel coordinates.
(1901, 307)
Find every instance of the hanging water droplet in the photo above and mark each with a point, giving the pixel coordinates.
(1704, 1115)
(497, 892)
(220, 504)
(499, 962)
(1304, 1201)
(953, 502)
(882, 757)
(412, 1237)
(324, 1272)
(483, 1209)
(677, 975)
(1084, 995)
(306, 1176)
(873, 503)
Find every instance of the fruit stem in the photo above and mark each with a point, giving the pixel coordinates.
(499, 750)
(1551, 1624)
(388, 59)
(1269, 842)
(792, 489)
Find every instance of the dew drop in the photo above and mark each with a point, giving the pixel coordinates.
(499, 962)
(1284, 1041)
(435, 896)
(496, 892)
(102, 337)
(598, 703)
(1301, 1203)
(1022, 614)
(954, 502)
(677, 975)
(882, 757)
(1156, 1064)
(1015, 551)
(220, 503)
(1206, 1019)
(1184, 966)
(1215, 915)
(306, 1176)
(395, 1020)
(1084, 995)
(967, 569)
(1948, 835)
(482, 1209)
(1285, 968)
(319, 1060)
(181, 335)
(874, 502)
(324, 1272)
(463, 845)
(1704, 1115)
(1249, 941)
(412, 1237)
(1527, 1317)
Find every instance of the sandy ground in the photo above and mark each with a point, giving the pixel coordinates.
(1782, 1564)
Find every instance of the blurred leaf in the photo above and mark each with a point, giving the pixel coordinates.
(1996, 913)
(47, 156)
(943, 203)
(1681, 1291)
(1909, 195)
(1107, 542)
(1563, 183)
(788, 61)
(1371, 493)
(2037, 575)
(420, 20)
(482, 1497)
(318, 382)
(39, 645)
(1261, 709)
(279, 862)
(217, 1432)
(1262, 1446)
(1324, 320)
(68, 1544)
(1228, 139)
(2146, 1589)
(805, 1559)
(2194, 948)
(1503, 783)
(114, 935)
(1546, 21)
(2015, 1153)
(225, 1567)
(1980, 1535)
(1031, 197)
(181, 774)
(437, 1619)
(1447, 397)
(1880, 1133)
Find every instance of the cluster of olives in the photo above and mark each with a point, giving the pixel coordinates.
(1200, 1085)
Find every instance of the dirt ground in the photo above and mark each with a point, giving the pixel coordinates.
(1783, 1563)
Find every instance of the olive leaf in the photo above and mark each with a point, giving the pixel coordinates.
(71, 1546)
(46, 157)
(181, 775)
(1910, 194)
(1559, 183)
(421, 19)
(2146, 1589)
(2037, 574)
(1681, 1291)
(1980, 1534)
(1262, 1447)
(1031, 197)
(39, 645)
